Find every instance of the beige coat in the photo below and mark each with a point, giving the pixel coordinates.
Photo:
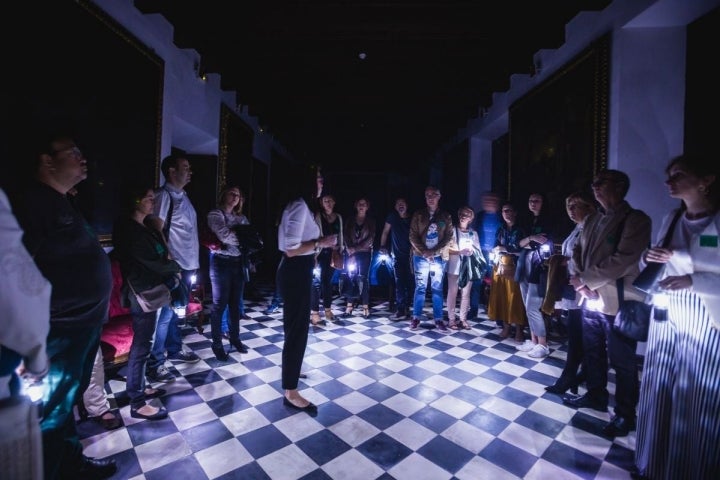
(604, 253)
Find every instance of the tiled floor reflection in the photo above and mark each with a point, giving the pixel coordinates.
(393, 404)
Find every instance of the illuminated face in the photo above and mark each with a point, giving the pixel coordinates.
(432, 197)
(328, 203)
(68, 163)
(146, 203)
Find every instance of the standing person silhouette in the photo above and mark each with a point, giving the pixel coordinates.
(68, 254)
(397, 231)
(178, 220)
(431, 231)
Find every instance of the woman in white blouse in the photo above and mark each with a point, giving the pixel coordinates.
(678, 430)
(298, 240)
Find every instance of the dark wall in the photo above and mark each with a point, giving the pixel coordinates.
(73, 68)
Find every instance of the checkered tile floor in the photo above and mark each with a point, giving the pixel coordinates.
(393, 404)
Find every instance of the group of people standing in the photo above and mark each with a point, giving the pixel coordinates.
(675, 405)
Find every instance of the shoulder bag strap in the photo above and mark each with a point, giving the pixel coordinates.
(168, 217)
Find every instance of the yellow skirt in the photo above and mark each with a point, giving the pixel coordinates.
(506, 302)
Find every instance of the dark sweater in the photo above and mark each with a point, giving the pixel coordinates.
(143, 258)
(69, 255)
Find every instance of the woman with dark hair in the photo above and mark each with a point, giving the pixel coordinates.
(678, 430)
(506, 301)
(359, 236)
(226, 270)
(536, 247)
(330, 222)
(145, 263)
(299, 239)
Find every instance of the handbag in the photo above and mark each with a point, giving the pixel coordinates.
(337, 260)
(633, 317)
(506, 267)
(153, 298)
(653, 271)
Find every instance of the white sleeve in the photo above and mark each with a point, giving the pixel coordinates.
(24, 296)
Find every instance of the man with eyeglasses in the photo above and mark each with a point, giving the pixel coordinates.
(68, 254)
(431, 231)
(608, 252)
(178, 220)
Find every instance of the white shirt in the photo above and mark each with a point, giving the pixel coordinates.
(296, 226)
(183, 240)
(24, 297)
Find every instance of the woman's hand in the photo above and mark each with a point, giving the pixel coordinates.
(658, 255)
(327, 241)
(676, 282)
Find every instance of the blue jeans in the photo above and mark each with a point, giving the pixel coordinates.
(143, 329)
(228, 285)
(404, 283)
(435, 270)
(167, 332)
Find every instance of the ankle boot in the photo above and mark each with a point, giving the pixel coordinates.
(220, 353)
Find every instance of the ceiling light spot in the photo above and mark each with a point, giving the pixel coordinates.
(362, 55)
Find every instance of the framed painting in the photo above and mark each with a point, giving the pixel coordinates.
(107, 93)
(558, 136)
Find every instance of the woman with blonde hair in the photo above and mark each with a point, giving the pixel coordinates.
(226, 270)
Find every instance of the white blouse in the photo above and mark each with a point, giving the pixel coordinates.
(296, 226)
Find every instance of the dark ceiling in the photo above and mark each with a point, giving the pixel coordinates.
(428, 67)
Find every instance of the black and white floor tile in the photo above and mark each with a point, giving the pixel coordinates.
(393, 404)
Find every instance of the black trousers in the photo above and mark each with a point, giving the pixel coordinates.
(295, 281)
(603, 345)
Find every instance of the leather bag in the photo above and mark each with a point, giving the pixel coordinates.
(633, 317)
(337, 260)
(152, 299)
(506, 266)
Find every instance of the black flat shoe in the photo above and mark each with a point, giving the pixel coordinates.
(159, 415)
(220, 353)
(310, 407)
(238, 346)
(96, 468)
(585, 401)
(619, 427)
(111, 422)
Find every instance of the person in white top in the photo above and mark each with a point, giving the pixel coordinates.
(298, 239)
(466, 241)
(678, 429)
(25, 298)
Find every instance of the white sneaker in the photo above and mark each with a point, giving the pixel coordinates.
(526, 346)
(539, 351)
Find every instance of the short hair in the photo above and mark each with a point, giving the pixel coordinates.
(171, 161)
(620, 179)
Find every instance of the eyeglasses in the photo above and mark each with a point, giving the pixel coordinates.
(74, 152)
(599, 182)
